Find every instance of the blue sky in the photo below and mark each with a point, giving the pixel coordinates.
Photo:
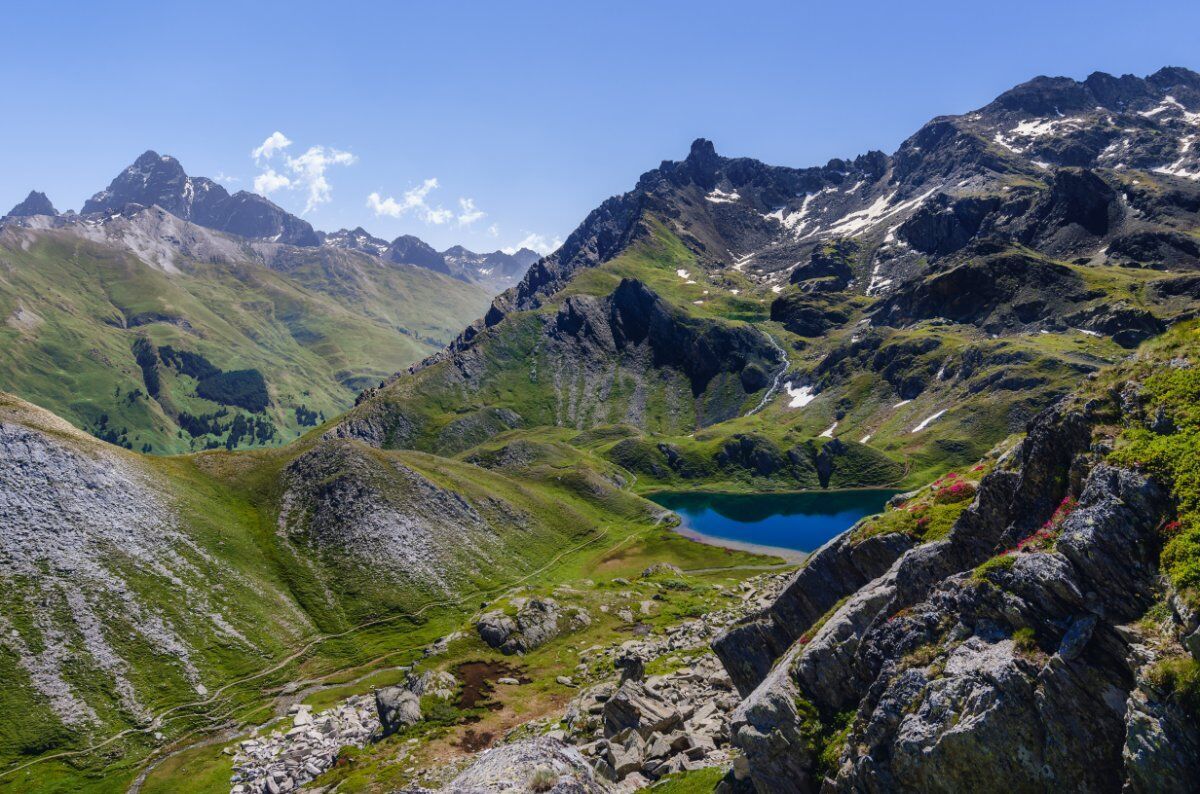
(524, 114)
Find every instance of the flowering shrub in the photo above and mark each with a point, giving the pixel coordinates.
(1045, 538)
(951, 488)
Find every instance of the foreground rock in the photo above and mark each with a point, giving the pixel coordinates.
(638, 729)
(542, 764)
(1009, 656)
(397, 708)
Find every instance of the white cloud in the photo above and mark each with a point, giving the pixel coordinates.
(305, 172)
(468, 213)
(269, 181)
(535, 242)
(275, 142)
(309, 169)
(438, 216)
(415, 201)
(225, 178)
(494, 230)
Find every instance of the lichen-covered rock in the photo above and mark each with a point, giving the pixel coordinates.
(1162, 745)
(633, 706)
(1011, 676)
(495, 628)
(750, 648)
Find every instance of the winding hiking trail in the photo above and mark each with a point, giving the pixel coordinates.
(163, 717)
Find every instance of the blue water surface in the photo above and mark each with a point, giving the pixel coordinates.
(802, 521)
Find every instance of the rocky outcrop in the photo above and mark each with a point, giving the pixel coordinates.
(1079, 209)
(285, 759)
(993, 660)
(537, 622)
(945, 224)
(635, 330)
(1001, 292)
(1158, 249)
(808, 314)
(397, 707)
(749, 648)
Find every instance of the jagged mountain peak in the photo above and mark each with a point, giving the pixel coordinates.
(358, 239)
(1061, 96)
(158, 179)
(36, 203)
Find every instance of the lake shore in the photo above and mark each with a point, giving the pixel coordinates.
(789, 555)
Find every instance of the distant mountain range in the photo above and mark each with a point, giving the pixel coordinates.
(169, 315)
(159, 180)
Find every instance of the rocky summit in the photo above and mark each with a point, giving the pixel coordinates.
(441, 568)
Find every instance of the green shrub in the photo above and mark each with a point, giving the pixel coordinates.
(1025, 641)
(1179, 677)
(1001, 562)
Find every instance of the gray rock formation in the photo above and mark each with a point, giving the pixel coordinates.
(536, 623)
(541, 764)
(1015, 675)
(284, 760)
(397, 708)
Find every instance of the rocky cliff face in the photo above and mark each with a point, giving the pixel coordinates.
(1011, 654)
(633, 330)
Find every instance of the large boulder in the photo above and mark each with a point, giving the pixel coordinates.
(398, 708)
(495, 628)
(537, 622)
(542, 765)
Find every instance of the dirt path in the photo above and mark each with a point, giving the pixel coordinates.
(304, 688)
(160, 719)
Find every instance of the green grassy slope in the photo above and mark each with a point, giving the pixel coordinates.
(276, 592)
(978, 388)
(71, 311)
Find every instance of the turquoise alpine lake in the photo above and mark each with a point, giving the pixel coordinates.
(796, 521)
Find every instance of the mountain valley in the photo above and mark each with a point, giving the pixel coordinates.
(437, 566)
